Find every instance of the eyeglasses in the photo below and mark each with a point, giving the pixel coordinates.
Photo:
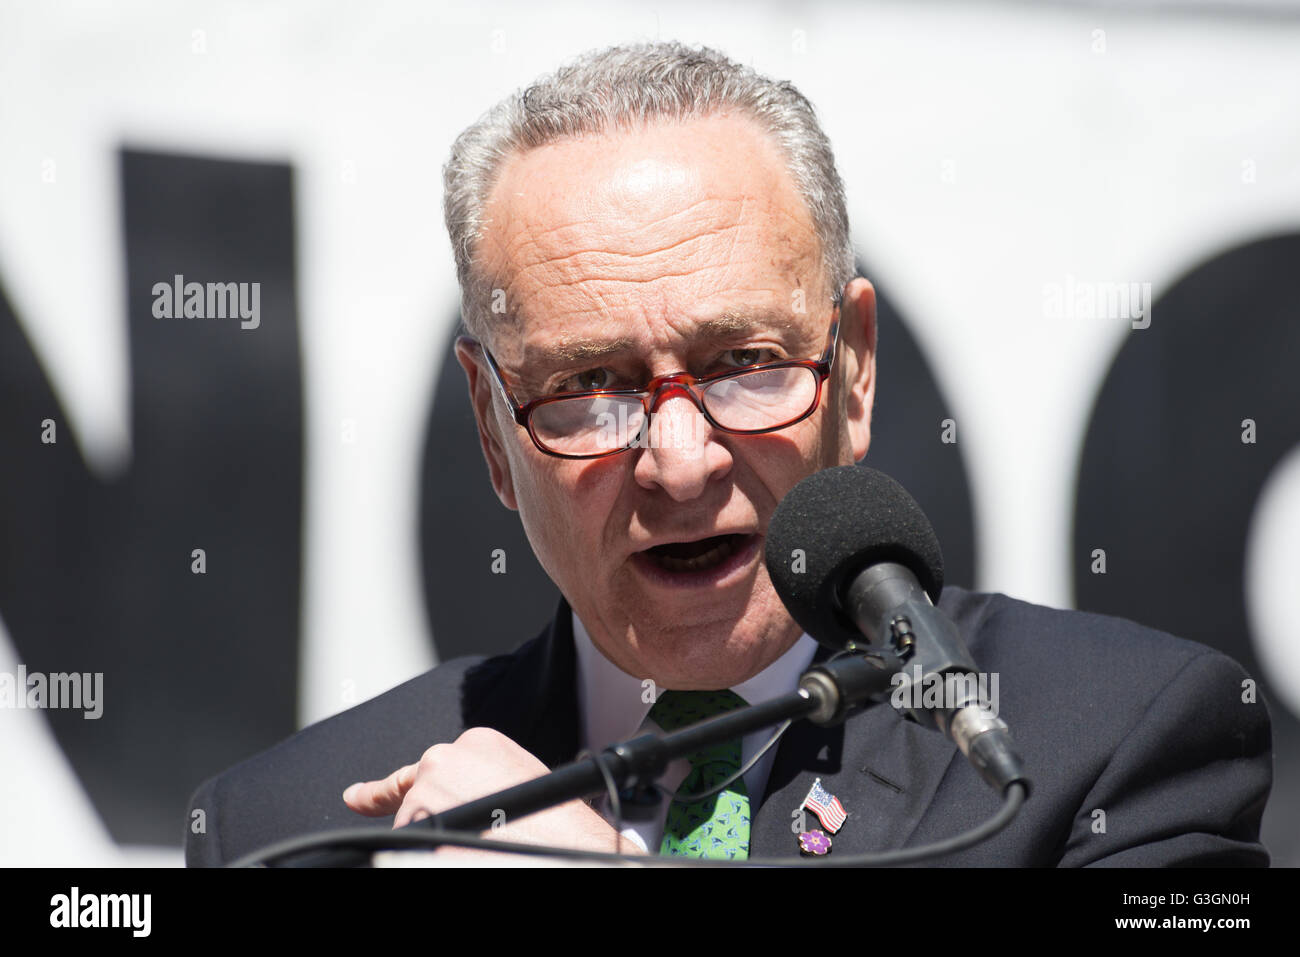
(599, 422)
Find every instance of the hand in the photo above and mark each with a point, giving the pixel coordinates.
(481, 762)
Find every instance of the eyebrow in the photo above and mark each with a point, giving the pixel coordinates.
(581, 348)
(734, 322)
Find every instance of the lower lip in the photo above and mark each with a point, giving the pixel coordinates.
(722, 574)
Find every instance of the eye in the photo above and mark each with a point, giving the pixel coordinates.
(587, 380)
(740, 358)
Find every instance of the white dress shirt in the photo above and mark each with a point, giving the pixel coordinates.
(615, 706)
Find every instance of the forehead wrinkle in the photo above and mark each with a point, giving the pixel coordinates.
(670, 256)
(539, 233)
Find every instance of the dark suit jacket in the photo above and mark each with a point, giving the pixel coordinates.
(1139, 746)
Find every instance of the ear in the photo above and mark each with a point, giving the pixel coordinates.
(481, 387)
(858, 340)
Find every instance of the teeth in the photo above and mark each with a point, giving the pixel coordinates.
(712, 557)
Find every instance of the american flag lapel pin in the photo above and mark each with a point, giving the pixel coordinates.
(826, 806)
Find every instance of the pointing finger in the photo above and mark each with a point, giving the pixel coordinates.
(379, 798)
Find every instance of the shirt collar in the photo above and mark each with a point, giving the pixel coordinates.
(613, 704)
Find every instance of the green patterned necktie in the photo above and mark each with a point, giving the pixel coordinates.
(718, 826)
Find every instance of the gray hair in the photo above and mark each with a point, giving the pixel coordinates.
(622, 88)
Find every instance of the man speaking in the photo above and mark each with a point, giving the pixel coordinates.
(665, 335)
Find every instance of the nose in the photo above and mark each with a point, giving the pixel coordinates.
(682, 454)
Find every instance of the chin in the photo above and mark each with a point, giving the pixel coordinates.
(707, 657)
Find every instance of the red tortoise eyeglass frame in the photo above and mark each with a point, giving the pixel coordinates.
(662, 387)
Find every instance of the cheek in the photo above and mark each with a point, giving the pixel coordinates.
(566, 506)
(788, 457)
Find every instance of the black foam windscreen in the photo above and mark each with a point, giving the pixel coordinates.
(832, 525)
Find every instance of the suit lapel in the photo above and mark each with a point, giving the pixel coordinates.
(884, 770)
(531, 695)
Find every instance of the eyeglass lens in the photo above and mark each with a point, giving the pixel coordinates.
(750, 402)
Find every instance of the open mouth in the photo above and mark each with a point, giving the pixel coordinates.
(693, 558)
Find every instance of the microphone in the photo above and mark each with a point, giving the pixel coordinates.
(858, 566)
